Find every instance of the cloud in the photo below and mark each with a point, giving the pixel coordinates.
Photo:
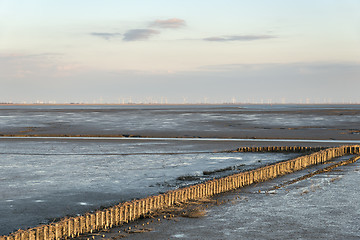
(169, 23)
(139, 34)
(238, 38)
(106, 36)
(143, 33)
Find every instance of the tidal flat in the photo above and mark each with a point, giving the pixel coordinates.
(177, 121)
(47, 178)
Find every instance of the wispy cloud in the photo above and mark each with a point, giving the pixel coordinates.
(169, 23)
(106, 36)
(238, 38)
(143, 33)
(139, 34)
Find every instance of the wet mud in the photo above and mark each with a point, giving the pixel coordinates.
(203, 121)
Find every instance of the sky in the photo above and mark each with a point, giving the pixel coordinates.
(171, 51)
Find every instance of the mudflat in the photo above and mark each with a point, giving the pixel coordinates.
(77, 175)
(337, 122)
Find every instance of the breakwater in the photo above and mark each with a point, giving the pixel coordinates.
(131, 210)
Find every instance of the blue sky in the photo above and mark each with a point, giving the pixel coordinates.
(180, 51)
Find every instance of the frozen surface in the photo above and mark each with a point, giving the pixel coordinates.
(325, 206)
(42, 180)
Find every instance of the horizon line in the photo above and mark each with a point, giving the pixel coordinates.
(168, 104)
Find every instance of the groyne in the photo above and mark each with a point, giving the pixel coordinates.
(132, 210)
(279, 149)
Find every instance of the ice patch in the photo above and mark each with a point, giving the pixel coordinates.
(83, 203)
(180, 235)
(238, 158)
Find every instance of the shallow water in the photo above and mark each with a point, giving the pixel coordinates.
(42, 180)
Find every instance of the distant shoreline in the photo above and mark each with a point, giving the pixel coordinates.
(174, 104)
(313, 122)
(59, 137)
